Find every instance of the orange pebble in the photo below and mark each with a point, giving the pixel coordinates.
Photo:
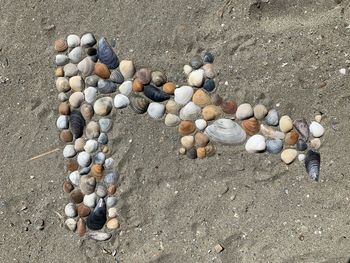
(169, 88)
(201, 152)
(137, 86)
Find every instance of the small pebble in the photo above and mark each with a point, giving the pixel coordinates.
(301, 157)
(289, 155)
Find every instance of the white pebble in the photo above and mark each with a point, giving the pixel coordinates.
(301, 157)
(70, 210)
(316, 129)
(342, 71)
(62, 122)
(256, 143)
(74, 177)
(84, 159)
(69, 151)
(109, 163)
(126, 88)
(201, 124)
(91, 146)
(112, 212)
(90, 200)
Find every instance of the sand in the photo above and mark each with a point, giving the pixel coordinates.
(173, 209)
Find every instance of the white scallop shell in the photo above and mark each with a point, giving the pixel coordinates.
(190, 111)
(86, 66)
(126, 88)
(183, 95)
(127, 68)
(156, 110)
(121, 101)
(244, 111)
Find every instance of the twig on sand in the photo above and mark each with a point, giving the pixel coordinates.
(43, 154)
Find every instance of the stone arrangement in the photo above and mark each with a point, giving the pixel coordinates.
(92, 82)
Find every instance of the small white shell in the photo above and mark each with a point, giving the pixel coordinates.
(74, 177)
(90, 200)
(156, 110)
(183, 95)
(69, 151)
(70, 210)
(121, 101)
(244, 111)
(190, 111)
(71, 224)
(201, 124)
(76, 55)
(127, 68)
(187, 69)
(84, 159)
(61, 60)
(90, 94)
(112, 212)
(226, 131)
(62, 122)
(316, 129)
(171, 120)
(196, 77)
(126, 88)
(86, 66)
(99, 236)
(91, 146)
(87, 40)
(301, 157)
(73, 41)
(256, 143)
(76, 99)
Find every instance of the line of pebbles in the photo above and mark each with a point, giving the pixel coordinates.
(89, 71)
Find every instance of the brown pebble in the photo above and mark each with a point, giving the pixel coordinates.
(186, 127)
(111, 189)
(137, 86)
(71, 165)
(291, 138)
(201, 139)
(83, 210)
(97, 171)
(81, 227)
(67, 187)
(169, 88)
(105, 149)
(64, 108)
(201, 152)
(229, 107)
(211, 112)
(59, 72)
(144, 75)
(102, 70)
(77, 196)
(66, 136)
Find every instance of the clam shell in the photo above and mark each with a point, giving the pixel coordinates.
(315, 143)
(99, 236)
(79, 144)
(69, 151)
(139, 104)
(201, 152)
(155, 94)
(271, 132)
(260, 111)
(105, 124)
(127, 68)
(201, 124)
(291, 138)
(121, 101)
(229, 106)
(316, 129)
(169, 88)
(111, 178)
(100, 158)
(216, 100)
(103, 138)
(60, 45)
(171, 120)
(70, 210)
(62, 84)
(210, 150)
(211, 112)
(76, 83)
(76, 196)
(255, 144)
(66, 136)
(209, 85)
(156, 110)
(274, 146)
(76, 99)
(158, 78)
(312, 164)
(196, 78)
(87, 186)
(71, 224)
(190, 111)
(77, 124)
(112, 224)
(183, 95)
(302, 128)
(103, 106)
(172, 107)
(126, 88)
(201, 139)
(186, 128)
(106, 86)
(62, 122)
(116, 76)
(187, 69)
(286, 123)
(187, 141)
(73, 41)
(87, 40)
(102, 70)
(144, 75)
(97, 218)
(71, 165)
(251, 126)
(272, 118)
(61, 60)
(106, 54)
(67, 187)
(137, 86)
(90, 94)
(81, 227)
(92, 130)
(201, 98)
(76, 55)
(91, 146)
(74, 177)
(244, 111)
(196, 62)
(208, 57)
(209, 71)
(226, 131)
(91, 80)
(84, 159)
(70, 70)
(301, 145)
(289, 155)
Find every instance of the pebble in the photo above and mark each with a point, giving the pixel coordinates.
(274, 146)
(100, 158)
(187, 141)
(70, 210)
(84, 159)
(91, 146)
(73, 41)
(103, 106)
(87, 40)
(62, 122)
(109, 163)
(90, 200)
(256, 143)
(315, 143)
(79, 144)
(112, 212)
(101, 191)
(301, 157)
(113, 223)
(286, 123)
(69, 151)
(272, 118)
(90, 94)
(318, 116)
(121, 101)
(105, 124)
(244, 111)
(218, 248)
(71, 224)
(209, 71)
(70, 70)
(289, 155)
(103, 138)
(92, 130)
(201, 124)
(260, 111)
(111, 201)
(301, 145)
(126, 88)
(76, 99)
(127, 69)
(316, 129)
(169, 88)
(171, 120)
(62, 96)
(196, 78)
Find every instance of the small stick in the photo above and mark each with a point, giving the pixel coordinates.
(43, 154)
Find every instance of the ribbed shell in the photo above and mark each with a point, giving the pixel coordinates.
(139, 104)
(106, 54)
(155, 94)
(106, 86)
(226, 131)
(312, 164)
(116, 76)
(77, 124)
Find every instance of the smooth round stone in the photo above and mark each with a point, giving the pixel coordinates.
(111, 201)
(74, 177)
(103, 106)
(316, 129)
(111, 177)
(79, 144)
(76, 55)
(274, 146)
(91, 146)
(286, 123)
(92, 130)
(103, 138)
(121, 101)
(301, 157)
(126, 67)
(90, 200)
(76, 99)
(87, 40)
(126, 88)
(100, 158)
(315, 143)
(84, 159)
(70, 70)
(260, 111)
(156, 110)
(201, 124)
(71, 224)
(208, 57)
(90, 94)
(70, 210)
(105, 124)
(171, 120)
(112, 224)
(209, 85)
(289, 155)
(187, 69)
(256, 143)
(62, 122)
(76, 83)
(69, 151)
(112, 212)
(61, 60)
(196, 77)
(73, 41)
(301, 145)
(109, 162)
(62, 97)
(92, 80)
(244, 111)
(101, 191)
(209, 71)
(272, 118)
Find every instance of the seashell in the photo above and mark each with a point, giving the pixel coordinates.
(76, 55)
(92, 80)
(111, 178)
(216, 100)
(97, 218)
(87, 40)
(187, 141)
(60, 45)
(201, 139)
(302, 128)
(260, 111)
(211, 112)
(210, 150)
(251, 126)
(99, 158)
(183, 95)
(70, 210)
(90, 200)
(111, 201)
(116, 76)
(229, 106)
(101, 191)
(158, 78)
(76, 83)
(99, 236)
(92, 53)
(144, 75)
(127, 69)
(79, 144)
(191, 153)
(156, 110)
(97, 171)
(83, 210)
(74, 177)
(139, 104)
(289, 155)
(111, 189)
(315, 143)
(196, 78)
(61, 60)
(226, 131)
(109, 163)
(301, 157)
(67, 187)
(155, 94)
(126, 88)
(81, 227)
(169, 88)
(71, 224)
(62, 122)
(272, 118)
(316, 129)
(172, 107)
(201, 124)
(312, 164)
(182, 151)
(92, 130)
(76, 99)
(291, 138)
(209, 85)
(112, 212)
(103, 138)
(70, 70)
(274, 145)
(190, 111)
(196, 62)
(318, 116)
(62, 97)
(84, 159)
(87, 185)
(76, 196)
(137, 86)
(91, 146)
(64, 108)
(171, 120)
(208, 57)
(244, 111)
(73, 41)
(201, 98)
(71, 165)
(106, 54)
(121, 101)
(84, 170)
(286, 123)
(186, 128)
(112, 224)
(187, 69)
(62, 84)
(105, 124)
(59, 72)
(271, 132)
(102, 70)
(69, 151)
(201, 152)
(106, 86)
(90, 94)
(255, 144)
(103, 106)
(301, 145)
(209, 70)
(66, 136)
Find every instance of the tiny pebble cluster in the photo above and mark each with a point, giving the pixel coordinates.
(92, 82)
